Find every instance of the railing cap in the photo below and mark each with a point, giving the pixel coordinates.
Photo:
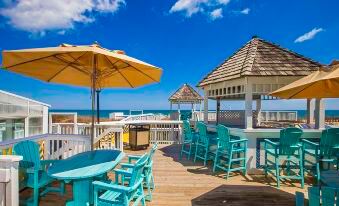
(10, 158)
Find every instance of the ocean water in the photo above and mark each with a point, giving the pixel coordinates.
(185, 113)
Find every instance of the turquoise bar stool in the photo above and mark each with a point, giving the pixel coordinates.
(288, 149)
(325, 196)
(203, 143)
(325, 152)
(230, 155)
(189, 140)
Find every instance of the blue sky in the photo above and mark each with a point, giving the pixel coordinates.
(187, 38)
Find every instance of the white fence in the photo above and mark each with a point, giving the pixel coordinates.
(237, 117)
(161, 131)
(54, 146)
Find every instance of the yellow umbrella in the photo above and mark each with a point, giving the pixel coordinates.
(323, 83)
(88, 65)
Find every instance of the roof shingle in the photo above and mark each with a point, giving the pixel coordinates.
(185, 94)
(261, 58)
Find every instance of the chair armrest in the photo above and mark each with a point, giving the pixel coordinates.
(238, 141)
(308, 142)
(127, 165)
(122, 172)
(275, 144)
(113, 187)
(133, 157)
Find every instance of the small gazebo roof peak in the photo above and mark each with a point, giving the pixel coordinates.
(185, 94)
(259, 57)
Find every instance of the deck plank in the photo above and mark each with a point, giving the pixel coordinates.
(186, 183)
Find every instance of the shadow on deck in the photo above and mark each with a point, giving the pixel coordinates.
(183, 182)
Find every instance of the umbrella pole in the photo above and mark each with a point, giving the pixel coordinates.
(93, 100)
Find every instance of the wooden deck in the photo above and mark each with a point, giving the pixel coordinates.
(187, 183)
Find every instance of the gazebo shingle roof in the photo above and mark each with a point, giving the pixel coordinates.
(185, 94)
(261, 58)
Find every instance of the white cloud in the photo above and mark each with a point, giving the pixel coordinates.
(216, 14)
(39, 16)
(225, 2)
(245, 11)
(190, 7)
(309, 35)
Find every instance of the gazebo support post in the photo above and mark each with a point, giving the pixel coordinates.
(179, 111)
(248, 106)
(200, 110)
(319, 114)
(310, 111)
(205, 106)
(258, 110)
(218, 111)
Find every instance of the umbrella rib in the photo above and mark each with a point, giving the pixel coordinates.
(74, 67)
(141, 72)
(18, 64)
(119, 71)
(68, 64)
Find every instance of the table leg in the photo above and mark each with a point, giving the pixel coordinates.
(82, 193)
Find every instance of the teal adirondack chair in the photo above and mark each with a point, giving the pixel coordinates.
(34, 171)
(229, 152)
(190, 138)
(288, 149)
(323, 152)
(202, 149)
(325, 196)
(148, 171)
(117, 193)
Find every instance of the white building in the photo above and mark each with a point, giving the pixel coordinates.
(21, 117)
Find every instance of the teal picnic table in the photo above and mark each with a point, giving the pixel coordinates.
(81, 169)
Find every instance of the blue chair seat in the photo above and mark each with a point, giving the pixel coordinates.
(111, 198)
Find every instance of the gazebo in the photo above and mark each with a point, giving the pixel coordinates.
(250, 74)
(185, 95)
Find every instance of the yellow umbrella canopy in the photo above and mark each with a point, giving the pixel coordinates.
(320, 84)
(77, 65)
(91, 66)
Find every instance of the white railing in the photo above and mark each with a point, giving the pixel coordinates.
(236, 117)
(165, 133)
(161, 131)
(54, 146)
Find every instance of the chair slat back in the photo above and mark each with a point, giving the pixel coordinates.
(188, 135)
(289, 137)
(150, 155)
(138, 170)
(223, 137)
(325, 196)
(329, 138)
(29, 150)
(202, 129)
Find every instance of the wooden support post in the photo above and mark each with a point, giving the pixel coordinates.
(319, 114)
(310, 111)
(218, 111)
(248, 106)
(205, 105)
(258, 110)
(9, 180)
